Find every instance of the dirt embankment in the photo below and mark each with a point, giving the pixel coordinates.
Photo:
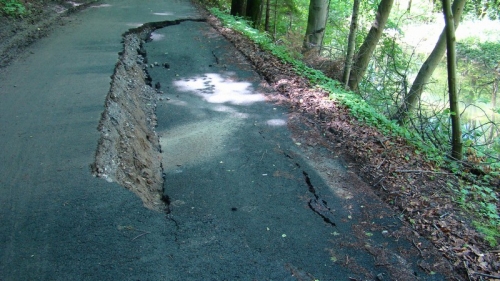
(128, 150)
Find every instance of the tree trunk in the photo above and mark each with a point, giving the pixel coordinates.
(238, 8)
(268, 14)
(409, 6)
(326, 22)
(456, 133)
(493, 106)
(366, 50)
(275, 18)
(254, 11)
(351, 44)
(316, 23)
(427, 68)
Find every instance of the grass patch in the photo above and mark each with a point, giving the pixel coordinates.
(491, 233)
(481, 202)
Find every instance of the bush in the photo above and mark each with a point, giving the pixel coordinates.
(12, 8)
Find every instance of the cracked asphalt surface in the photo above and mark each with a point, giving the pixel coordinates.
(246, 200)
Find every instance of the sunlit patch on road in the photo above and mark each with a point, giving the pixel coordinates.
(163, 14)
(74, 4)
(100, 6)
(178, 102)
(276, 122)
(230, 110)
(196, 142)
(156, 36)
(134, 24)
(214, 88)
(224, 108)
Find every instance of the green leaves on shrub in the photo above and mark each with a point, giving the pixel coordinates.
(12, 8)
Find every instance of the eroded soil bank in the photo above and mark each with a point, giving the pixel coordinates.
(129, 151)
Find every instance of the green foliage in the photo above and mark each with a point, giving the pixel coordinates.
(486, 53)
(420, 12)
(387, 75)
(476, 57)
(478, 66)
(481, 201)
(12, 8)
(339, 21)
(482, 8)
(224, 5)
(491, 233)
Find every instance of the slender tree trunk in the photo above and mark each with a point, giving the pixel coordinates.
(258, 22)
(494, 94)
(316, 23)
(253, 11)
(456, 133)
(238, 8)
(427, 68)
(268, 14)
(326, 22)
(368, 47)
(351, 44)
(275, 18)
(409, 6)
(493, 105)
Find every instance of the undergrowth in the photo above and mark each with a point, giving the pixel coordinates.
(12, 8)
(477, 199)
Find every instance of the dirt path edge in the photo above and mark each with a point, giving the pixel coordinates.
(18, 34)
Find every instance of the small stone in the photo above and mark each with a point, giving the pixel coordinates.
(166, 65)
(157, 85)
(156, 63)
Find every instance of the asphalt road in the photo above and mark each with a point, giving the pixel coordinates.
(247, 201)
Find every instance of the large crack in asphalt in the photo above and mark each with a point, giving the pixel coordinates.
(128, 150)
(316, 204)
